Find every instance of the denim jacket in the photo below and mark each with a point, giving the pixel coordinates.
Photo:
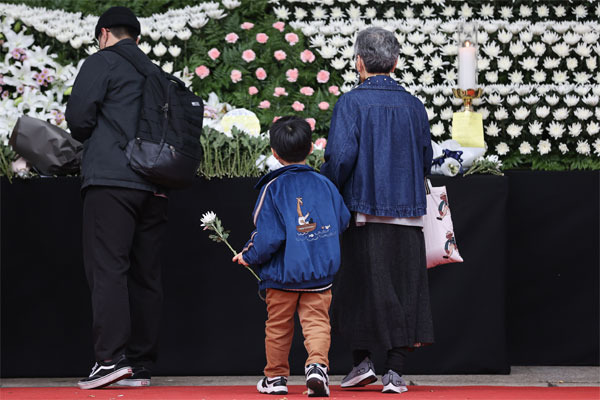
(299, 216)
(379, 149)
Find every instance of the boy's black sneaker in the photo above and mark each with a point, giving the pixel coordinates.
(141, 377)
(105, 373)
(276, 385)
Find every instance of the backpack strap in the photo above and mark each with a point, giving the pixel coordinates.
(143, 68)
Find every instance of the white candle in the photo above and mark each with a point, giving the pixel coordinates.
(467, 67)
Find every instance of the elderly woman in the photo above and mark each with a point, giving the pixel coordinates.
(378, 153)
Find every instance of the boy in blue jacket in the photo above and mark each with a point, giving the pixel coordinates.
(298, 216)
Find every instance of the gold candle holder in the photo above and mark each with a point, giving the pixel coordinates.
(467, 96)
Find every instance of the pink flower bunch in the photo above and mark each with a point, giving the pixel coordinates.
(261, 74)
(280, 55)
(264, 104)
(231, 37)
(291, 38)
(214, 53)
(248, 55)
(279, 26)
(202, 71)
(247, 25)
(236, 76)
(292, 75)
(307, 91)
(297, 106)
(262, 38)
(19, 54)
(307, 56)
(311, 122)
(323, 106)
(323, 76)
(252, 90)
(334, 90)
(320, 143)
(279, 91)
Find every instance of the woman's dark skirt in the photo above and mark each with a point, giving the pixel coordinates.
(381, 293)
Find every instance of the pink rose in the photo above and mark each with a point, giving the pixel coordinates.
(202, 71)
(275, 118)
(307, 91)
(252, 90)
(279, 91)
(280, 55)
(261, 74)
(262, 38)
(307, 56)
(279, 26)
(334, 90)
(297, 106)
(214, 53)
(320, 143)
(323, 105)
(322, 76)
(247, 25)
(292, 75)
(248, 55)
(311, 122)
(19, 165)
(231, 37)
(236, 76)
(264, 104)
(291, 38)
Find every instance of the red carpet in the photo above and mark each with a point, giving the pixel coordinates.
(296, 392)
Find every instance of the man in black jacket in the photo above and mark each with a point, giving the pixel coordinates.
(124, 216)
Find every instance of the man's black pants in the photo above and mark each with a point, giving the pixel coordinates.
(122, 236)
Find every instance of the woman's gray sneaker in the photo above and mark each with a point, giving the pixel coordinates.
(276, 385)
(393, 383)
(361, 375)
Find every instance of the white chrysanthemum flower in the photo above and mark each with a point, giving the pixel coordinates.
(347, 52)
(596, 146)
(538, 29)
(408, 78)
(447, 113)
(536, 128)
(427, 78)
(513, 100)
(487, 11)
(525, 148)
(583, 90)
(571, 100)
(551, 63)
(593, 128)
(591, 63)
(327, 52)
(319, 13)
(525, 11)
(483, 63)
(208, 218)
(531, 99)
(466, 11)
(516, 77)
(555, 129)
(504, 63)
(538, 48)
(418, 63)
(491, 50)
(539, 77)
(583, 147)
(426, 12)
(430, 113)
(529, 63)
(575, 129)
(437, 62)
(349, 76)
(550, 37)
(521, 113)
(482, 37)
(560, 11)
(583, 113)
(526, 36)
(591, 100)
(437, 129)
(300, 13)
(552, 100)
(408, 49)
(544, 147)
(500, 114)
(282, 12)
(338, 63)
(450, 77)
(492, 129)
(517, 48)
(559, 77)
(494, 99)
(506, 12)
(561, 49)
(439, 101)
(437, 38)
(504, 36)
(416, 37)
(318, 41)
(571, 38)
(514, 130)
(542, 112)
(581, 78)
(485, 113)
(491, 76)
(563, 148)
(543, 11)
(502, 149)
(580, 11)
(390, 13)
(354, 12)
(448, 11)
(571, 63)
(408, 13)
(456, 102)
(560, 113)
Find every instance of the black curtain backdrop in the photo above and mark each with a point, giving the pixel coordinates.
(213, 320)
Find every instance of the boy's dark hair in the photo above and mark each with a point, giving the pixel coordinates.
(291, 138)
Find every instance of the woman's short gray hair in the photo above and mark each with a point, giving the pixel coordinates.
(378, 48)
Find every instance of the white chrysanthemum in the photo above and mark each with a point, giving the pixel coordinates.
(561, 49)
(427, 78)
(485, 113)
(491, 49)
(551, 63)
(447, 113)
(531, 99)
(504, 36)
(543, 11)
(525, 11)
(502, 149)
(544, 147)
(428, 49)
(450, 77)
(466, 11)
(550, 37)
(408, 49)
(583, 147)
(513, 100)
(563, 148)
(575, 129)
(504, 63)
(439, 101)
(571, 38)
(506, 12)
(526, 36)
(491, 76)
(347, 52)
(596, 146)
(593, 128)
(539, 76)
(536, 128)
(327, 52)
(571, 63)
(437, 129)
(426, 12)
(580, 11)
(500, 114)
(437, 62)
(591, 63)
(581, 78)
(408, 78)
(492, 129)
(318, 41)
(418, 63)
(208, 218)
(430, 113)
(555, 129)
(538, 48)
(408, 13)
(300, 14)
(521, 113)
(560, 11)
(349, 76)
(319, 13)
(516, 78)
(552, 100)
(583, 90)
(456, 102)
(591, 100)
(483, 64)
(517, 48)
(571, 100)
(482, 37)
(583, 113)
(514, 130)
(281, 12)
(338, 63)
(525, 148)
(487, 11)
(437, 38)
(448, 11)
(542, 112)
(494, 99)
(529, 63)
(559, 77)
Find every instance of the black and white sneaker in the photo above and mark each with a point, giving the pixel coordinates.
(104, 374)
(317, 380)
(276, 385)
(141, 377)
(361, 375)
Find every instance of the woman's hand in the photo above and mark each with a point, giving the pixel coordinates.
(239, 259)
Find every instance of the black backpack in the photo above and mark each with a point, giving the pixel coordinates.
(166, 149)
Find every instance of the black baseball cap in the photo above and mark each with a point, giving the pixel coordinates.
(118, 16)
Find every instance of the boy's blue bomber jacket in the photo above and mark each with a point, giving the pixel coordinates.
(298, 216)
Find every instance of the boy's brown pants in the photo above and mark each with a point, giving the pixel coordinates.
(313, 310)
